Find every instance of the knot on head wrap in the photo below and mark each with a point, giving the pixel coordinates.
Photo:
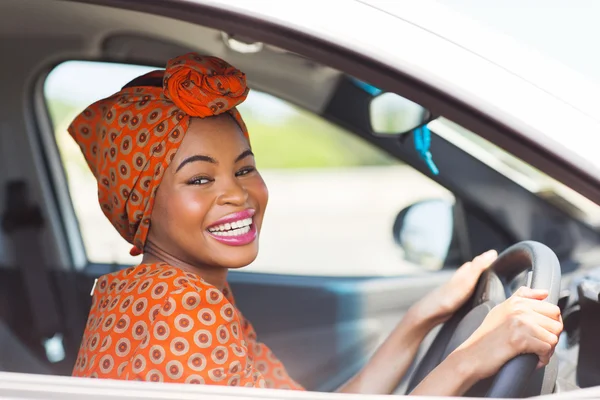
(130, 138)
(204, 86)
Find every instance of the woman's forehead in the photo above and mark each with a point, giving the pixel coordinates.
(213, 136)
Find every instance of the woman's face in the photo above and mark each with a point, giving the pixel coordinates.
(210, 204)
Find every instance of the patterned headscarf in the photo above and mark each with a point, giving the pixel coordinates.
(130, 138)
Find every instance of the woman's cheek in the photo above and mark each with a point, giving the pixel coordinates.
(192, 206)
(260, 197)
(263, 190)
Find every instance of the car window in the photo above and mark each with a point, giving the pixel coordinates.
(523, 174)
(333, 202)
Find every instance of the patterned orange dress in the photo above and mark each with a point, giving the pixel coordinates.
(158, 323)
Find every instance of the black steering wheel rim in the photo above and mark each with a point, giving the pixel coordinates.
(529, 263)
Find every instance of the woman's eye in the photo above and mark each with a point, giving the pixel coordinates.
(201, 180)
(245, 171)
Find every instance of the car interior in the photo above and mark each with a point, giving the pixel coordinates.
(322, 325)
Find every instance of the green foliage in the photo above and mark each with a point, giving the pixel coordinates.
(305, 141)
(297, 140)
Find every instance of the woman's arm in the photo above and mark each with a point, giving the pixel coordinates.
(523, 324)
(392, 359)
(453, 377)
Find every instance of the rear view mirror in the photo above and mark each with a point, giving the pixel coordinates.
(392, 114)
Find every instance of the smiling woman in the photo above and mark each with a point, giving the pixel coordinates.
(174, 167)
(202, 208)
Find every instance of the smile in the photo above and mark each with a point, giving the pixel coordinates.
(235, 229)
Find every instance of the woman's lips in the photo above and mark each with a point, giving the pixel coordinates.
(237, 229)
(241, 215)
(246, 236)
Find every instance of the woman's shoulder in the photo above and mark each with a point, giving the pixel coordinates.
(153, 289)
(158, 275)
(161, 285)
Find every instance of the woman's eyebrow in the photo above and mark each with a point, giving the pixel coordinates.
(197, 157)
(200, 157)
(246, 153)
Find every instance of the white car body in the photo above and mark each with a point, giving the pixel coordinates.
(426, 41)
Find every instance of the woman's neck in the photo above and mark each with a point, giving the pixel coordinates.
(216, 276)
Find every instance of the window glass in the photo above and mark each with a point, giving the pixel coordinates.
(333, 197)
(530, 178)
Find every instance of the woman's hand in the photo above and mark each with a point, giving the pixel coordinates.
(523, 324)
(439, 305)
(391, 361)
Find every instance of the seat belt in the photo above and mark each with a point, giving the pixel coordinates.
(23, 223)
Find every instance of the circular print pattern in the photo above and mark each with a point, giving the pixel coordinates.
(170, 326)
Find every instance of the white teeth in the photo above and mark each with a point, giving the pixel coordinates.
(234, 232)
(233, 228)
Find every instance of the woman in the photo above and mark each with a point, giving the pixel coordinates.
(177, 178)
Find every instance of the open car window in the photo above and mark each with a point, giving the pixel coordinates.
(333, 197)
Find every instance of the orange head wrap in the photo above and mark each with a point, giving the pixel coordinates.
(130, 138)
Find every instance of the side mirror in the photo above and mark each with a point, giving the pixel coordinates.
(424, 231)
(391, 114)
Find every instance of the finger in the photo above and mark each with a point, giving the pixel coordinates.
(529, 293)
(540, 348)
(541, 308)
(544, 335)
(548, 341)
(484, 260)
(466, 266)
(551, 325)
(543, 364)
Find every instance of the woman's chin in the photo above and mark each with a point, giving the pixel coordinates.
(236, 261)
(235, 257)
(234, 252)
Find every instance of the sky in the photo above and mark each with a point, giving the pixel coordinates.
(566, 30)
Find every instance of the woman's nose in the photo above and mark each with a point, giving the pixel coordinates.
(233, 193)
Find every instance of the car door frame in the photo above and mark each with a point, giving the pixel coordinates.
(384, 76)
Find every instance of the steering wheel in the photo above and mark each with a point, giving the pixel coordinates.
(524, 264)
